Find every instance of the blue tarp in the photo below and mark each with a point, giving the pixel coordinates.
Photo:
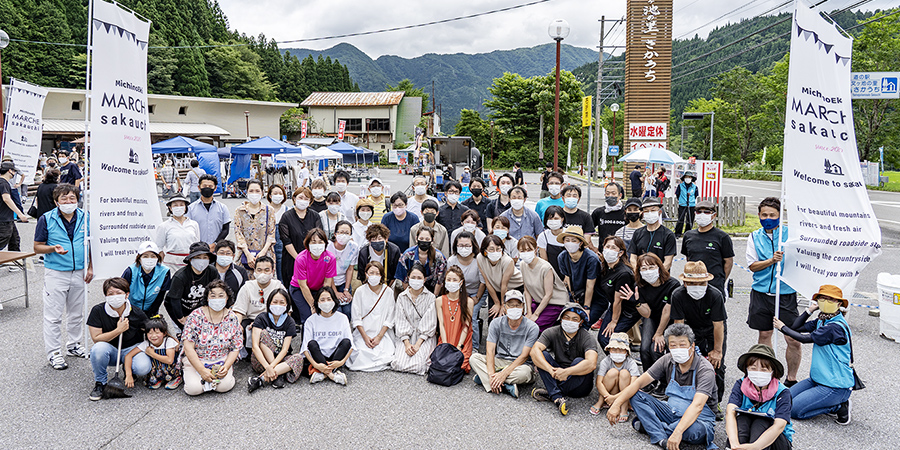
(181, 144)
(240, 168)
(353, 154)
(264, 146)
(209, 162)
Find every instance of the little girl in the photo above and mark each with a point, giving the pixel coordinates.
(615, 373)
(272, 335)
(162, 348)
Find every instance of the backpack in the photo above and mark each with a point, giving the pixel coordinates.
(446, 365)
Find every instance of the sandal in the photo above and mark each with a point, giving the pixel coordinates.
(624, 417)
(595, 411)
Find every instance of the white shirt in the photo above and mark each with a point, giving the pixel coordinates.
(348, 204)
(174, 237)
(413, 206)
(359, 233)
(345, 258)
(166, 344)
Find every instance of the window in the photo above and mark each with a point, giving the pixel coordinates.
(379, 124)
(151, 109)
(76, 106)
(353, 125)
(182, 110)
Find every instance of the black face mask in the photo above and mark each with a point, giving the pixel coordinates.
(424, 245)
(207, 192)
(611, 201)
(477, 192)
(377, 245)
(632, 216)
(429, 217)
(51, 164)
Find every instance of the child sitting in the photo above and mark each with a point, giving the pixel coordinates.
(615, 373)
(162, 348)
(272, 333)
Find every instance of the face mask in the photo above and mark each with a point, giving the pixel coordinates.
(452, 286)
(51, 164)
(650, 275)
(424, 245)
(429, 217)
(470, 227)
(326, 306)
(680, 355)
(769, 224)
(476, 192)
(517, 204)
(207, 192)
(63, 161)
(611, 201)
(68, 208)
(263, 278)
(504, 189)
(374, 280)
(464, 251)
(696, 292)
(452, 199)
(828, 307)
(554, 224)
(571, 202)
(341, 187)
(335, 209)
(610, 256)
(217, 304)
(651, 217)
(277, 199)
(572, 247)
(148, 263)
(116, 301)
(554, 189)
(502, 234)
(365, 215)
(318, 193)
(301, 204)
(526, 257)
(618, 357)
(375, 191)
(277, 310)
(168, 163)
(254, 198)
(514, 313)
(569, 326)
(224, 260)
(760, 379)
(420, 190)
(632, 216)
(316, 249)
(377, 245)
(688, 180)
(343, 239)
(494, 256)
(416, 284)
(704, 219)
(199, 264)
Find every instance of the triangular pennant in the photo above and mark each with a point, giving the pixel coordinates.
(807, 34)
(97, 24)
(845, 61)
(107, 25)
(799, 30)
(132, 36)
(837, 57)
(828, 48)
(121, 31)
(815, 37)
(143, 45)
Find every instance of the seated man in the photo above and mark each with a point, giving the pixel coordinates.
(687, 415)
(509, 342)
(565, 356)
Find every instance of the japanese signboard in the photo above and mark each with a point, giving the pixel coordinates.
(303, 125)
(874, 85)
(586, 111)
(637, 145)
(341, 125)
(641, 131)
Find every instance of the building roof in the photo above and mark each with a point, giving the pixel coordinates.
(183, 97)
(67, 126)
(353, 99)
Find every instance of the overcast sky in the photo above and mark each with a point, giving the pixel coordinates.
(525, 27)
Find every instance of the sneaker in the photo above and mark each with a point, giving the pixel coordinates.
(540, 395)
(172, 385)
(316, 377)
(279, 382)
(511, 389)
(720, 416)
(253, 383)
(57, 361)
(788, 383)
(154, 383)
(340, 378)
(476, 380)
(843, 413)
(97, 393)
(636, 424)
(76, 350)
(561, 403)
(597, 325)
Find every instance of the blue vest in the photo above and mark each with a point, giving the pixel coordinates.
(57, 235)
(768, 408)
(687, 195)
(142, 296)
(764, 280)
(830, 364)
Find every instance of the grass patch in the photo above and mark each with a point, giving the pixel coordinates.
(751, 224)
(893, 184)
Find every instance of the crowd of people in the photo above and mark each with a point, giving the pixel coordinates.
(399, 283)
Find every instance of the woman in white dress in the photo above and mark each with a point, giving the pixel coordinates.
(372, 311)
(175, 235)
(415, 324)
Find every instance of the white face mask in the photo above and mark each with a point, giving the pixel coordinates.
(301, 204)
(365, 215)
(514, 313)
(760, 379)
(650, 275)
(277, 310)
(680, 355)
(504, 189)
(116, 301)
(554, 224)
(343, 239)
(318, 193)
(420, 190)
(224, 260)
(149, 263)
(571, 202)
(316, 249)
(263, 278)
(696, 292)
(340, 186)
(326, 306)
(199, 264)
(703, 219)
(374, 280)
(494, 256)
(569, 326)
(470, 227)
(618, 357)
(68, 208)
(452, 199)
(651, 217)
(572, 247)
(526, 257)
(517, 204)
(254, 198)
(416, 284)
(464, 251)
(554, 189)
(502, 234)
(610, 256)
(375, 191)
(63, 161)
(334, 209)
(217, 304)
(399, 212)
(452, 286)
(277, 199)
(178, 211)
(688, 180)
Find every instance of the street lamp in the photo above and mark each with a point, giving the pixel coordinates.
(4, 41)
(712, 120)
(614, 107)
(558, 30)
(247, 116)
(492, 143)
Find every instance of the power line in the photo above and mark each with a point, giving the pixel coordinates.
(745, 5)
(687, 49)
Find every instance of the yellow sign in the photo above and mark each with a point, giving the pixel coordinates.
(586, 111)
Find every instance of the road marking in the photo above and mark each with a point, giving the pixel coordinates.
(885, 203)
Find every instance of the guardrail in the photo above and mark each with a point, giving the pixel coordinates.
(730, 212)
(774, 173)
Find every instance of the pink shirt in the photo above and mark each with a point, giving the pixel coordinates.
(314, 271)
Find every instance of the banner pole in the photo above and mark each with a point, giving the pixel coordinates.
(87, 165)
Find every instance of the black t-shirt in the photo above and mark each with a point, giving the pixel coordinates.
(6, 214)
(660, 242)
(657, 297)
(276, 332)
(69, 173)
(520, 177)
(607, 223)
(712, 248)
(318, 205)
(636, 185)
(134, 335)
(188, 289)
(544, 179)
(580, 218)
(565, 351)
(612, 280)
(699, 314)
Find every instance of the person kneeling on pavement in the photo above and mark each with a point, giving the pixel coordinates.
(509, 343)
(688, 415)
(565, 356)
(759, 409)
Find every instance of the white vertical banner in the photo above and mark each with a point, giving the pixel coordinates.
(833, 232)
(604, 148)
(23, 129)
(123, 202)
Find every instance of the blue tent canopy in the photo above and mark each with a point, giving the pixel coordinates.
(264, 145)
(353, 154)
(181, 144)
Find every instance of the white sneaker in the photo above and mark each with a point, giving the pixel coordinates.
(340, 378)
(316, 377)
(57, 361)
(77, 350)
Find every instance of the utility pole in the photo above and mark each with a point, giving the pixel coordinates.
(593, 163)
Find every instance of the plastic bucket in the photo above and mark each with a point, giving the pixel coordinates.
(889, 305)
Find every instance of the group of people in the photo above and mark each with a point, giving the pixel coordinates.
(378, 283)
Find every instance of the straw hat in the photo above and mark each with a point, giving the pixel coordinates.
(573, 231)
(762, 351)
(619, 341)
(695, 272)
(832, 291)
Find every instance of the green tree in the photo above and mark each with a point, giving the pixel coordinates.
(410, 90)
(234, 73)
(77, 71)
(191, 78)
(742, 91)
(162, 64)
(726, 139)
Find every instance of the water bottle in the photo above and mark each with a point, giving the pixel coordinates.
(730, 288)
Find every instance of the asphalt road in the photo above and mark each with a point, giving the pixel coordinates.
(44, 408)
